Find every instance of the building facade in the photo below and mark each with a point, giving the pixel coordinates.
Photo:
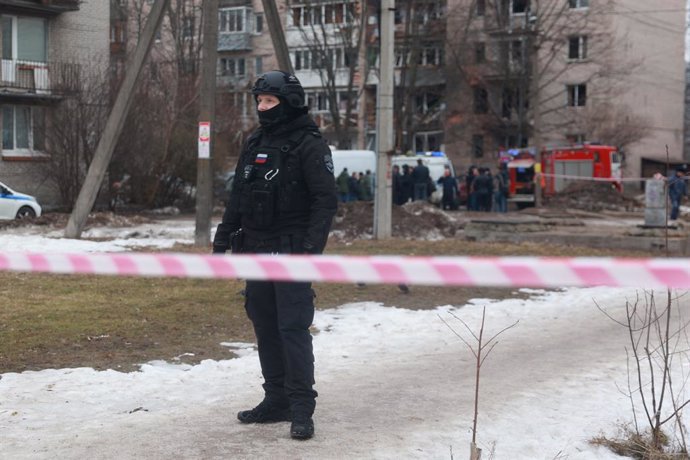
(44, 46)
(561, 72)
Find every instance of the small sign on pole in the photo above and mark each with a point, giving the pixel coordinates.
(204, 139)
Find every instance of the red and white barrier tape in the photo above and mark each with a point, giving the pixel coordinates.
(459, 271)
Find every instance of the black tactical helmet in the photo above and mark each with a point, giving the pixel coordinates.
(281, 84)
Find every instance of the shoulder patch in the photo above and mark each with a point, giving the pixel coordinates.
(328, 162)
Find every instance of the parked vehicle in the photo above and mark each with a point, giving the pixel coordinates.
(354, 160)
(561, 165)
(15, 205)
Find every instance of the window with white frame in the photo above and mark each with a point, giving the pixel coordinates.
(23, 128)
(258, 23)
(234, 20)
(319, 101)
(302, 59)
(426, 141)
(313, 59)
(577, 47)
(24, 38)
(258, 65)
(430, 10)
(325, 13)
(577, 95)
(431, 55)
(426, 101)
(233, 67)
(243, 102)
(578, 4)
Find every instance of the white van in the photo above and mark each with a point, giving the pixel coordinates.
(354, 160)
(437, 162)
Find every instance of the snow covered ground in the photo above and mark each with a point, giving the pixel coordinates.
(393, 383)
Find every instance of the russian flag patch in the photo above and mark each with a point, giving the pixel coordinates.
(261, 158)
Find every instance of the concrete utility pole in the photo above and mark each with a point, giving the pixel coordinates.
(277, 35)
(384, 124)
(536, 115)
(113, 127)
(207, 114)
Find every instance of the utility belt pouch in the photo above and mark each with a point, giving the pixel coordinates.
(237, 241)
(262, 207)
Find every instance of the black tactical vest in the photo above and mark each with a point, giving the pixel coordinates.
(271, 181)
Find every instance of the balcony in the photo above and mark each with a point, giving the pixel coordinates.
(44, 8)
(24, 80)
(234, 41)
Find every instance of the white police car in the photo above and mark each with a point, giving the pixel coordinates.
(15, 205)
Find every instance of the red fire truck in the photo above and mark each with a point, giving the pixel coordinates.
(560, 165)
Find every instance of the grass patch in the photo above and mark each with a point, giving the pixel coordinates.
(56, 321)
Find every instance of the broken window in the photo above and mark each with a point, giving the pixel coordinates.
(481, 100)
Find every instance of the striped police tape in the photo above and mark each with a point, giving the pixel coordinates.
(458, 271)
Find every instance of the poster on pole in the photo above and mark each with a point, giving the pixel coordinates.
(204, 139)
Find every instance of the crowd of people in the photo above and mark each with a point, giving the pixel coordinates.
(482, 190)
(355, 186)
(412, 184)
(487, 191)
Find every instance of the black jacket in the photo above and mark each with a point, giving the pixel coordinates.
(284, 186)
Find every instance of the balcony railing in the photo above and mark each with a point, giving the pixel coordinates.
(39, 78)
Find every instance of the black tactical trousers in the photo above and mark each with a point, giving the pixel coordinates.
(281, 313)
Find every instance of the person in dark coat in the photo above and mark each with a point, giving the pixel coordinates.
(406, 184)
(420, 179)
(283, 200)
(677, 189)
(472, 173)
(353, 187)
(342, 183)
(449, 185)
(501, 188)
(483, 188)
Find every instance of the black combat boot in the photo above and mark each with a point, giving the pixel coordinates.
(267, 411)
(302, 427)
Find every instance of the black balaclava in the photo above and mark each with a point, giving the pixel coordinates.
(282, 113)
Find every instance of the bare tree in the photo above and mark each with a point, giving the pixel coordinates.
(481, 348)
(657, 353)
(617, 125)
(333, 35)
(157, 151)
(74, 128)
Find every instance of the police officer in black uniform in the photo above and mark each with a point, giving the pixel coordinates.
(282, 201)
